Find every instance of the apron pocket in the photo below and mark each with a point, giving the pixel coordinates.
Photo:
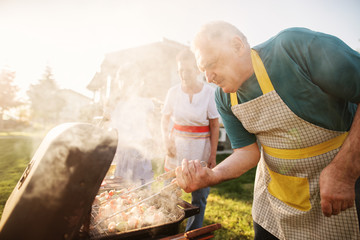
(293, 191)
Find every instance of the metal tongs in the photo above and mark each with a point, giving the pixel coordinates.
(162, 177)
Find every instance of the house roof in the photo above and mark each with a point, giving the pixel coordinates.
(96, 82)
(149, 56)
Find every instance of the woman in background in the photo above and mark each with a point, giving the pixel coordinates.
(193, 131)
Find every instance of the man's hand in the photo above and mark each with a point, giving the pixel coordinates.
(337, 190)
(337, 180)
(192, 176)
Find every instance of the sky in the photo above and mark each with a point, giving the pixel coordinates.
(72, 36)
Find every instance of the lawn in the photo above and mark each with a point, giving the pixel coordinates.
(229, 203)
(15, 154)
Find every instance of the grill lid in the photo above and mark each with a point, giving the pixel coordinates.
(56, 191)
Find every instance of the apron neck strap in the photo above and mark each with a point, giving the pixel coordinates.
(261, 75)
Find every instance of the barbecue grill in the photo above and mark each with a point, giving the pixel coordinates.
(53, 198)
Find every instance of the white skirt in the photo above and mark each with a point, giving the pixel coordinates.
(190, 149)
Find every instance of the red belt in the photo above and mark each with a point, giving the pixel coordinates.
(198, 129)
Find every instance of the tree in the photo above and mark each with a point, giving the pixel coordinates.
(8, 92)
(45, 100)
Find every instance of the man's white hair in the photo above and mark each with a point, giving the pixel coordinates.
(217, 32)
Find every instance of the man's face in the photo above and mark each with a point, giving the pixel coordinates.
(220, 65)
(188, 71)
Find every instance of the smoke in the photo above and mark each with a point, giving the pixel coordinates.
(137, 82)
(132, 118)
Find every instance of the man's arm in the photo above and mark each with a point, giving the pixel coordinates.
(192, 176)
(337, 180)
(214, 139)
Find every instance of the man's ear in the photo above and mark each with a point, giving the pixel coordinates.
(237, 44)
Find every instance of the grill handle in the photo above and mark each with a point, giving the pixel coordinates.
(201, 231)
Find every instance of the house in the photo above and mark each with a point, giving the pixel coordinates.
(148, 70)
(75, 107)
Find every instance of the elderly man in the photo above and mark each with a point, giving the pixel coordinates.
(297, 95)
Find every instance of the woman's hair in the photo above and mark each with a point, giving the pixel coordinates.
(185, 55)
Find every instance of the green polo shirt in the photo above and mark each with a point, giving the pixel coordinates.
(315, 74)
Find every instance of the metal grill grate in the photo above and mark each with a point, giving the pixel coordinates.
(167, 207)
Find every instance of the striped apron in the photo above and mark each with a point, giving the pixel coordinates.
(286, 193)
(191, 142)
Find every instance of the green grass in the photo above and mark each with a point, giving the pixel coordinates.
(15, 154)
(229, 203)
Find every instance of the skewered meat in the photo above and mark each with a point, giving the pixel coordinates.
(114, 212)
